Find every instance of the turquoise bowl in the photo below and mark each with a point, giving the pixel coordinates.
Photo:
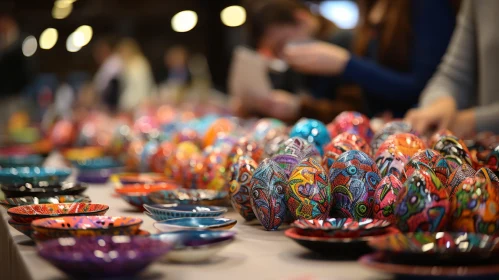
(33, 175)
(161, 212)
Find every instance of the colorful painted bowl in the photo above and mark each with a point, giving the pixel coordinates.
(439, 246)
(96, 163)
(29, 213)
(195, 246)
(37, 237)
(97, 176)
(140, 178)
(186, 196)
(86, 226)
(24, 228)
(81, 154)
(104, 256)
(196, 223)
(33, 175)
(138, 194)
(20, 160)
(161, 212)
(30, 200)
(41, 190)
(341, 227)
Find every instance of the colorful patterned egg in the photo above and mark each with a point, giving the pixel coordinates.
(454, 150)
(214, 171)
(175, 165)
(308, 195)
(391, 161)
(268, 186)
(408, 144)
(272, 145)
(475, 206)
(292, 151)
(359, 141)
(435, 137)
(385, 197)
(422, 204)
(428, 157)
(352, 122)
(458, 176)
(218, 127)
(193, 173)
(187, 134)
(492, 159)
(334, 149)
(150, 148)
(242, 170)
(389, 129)
(134, 151)
(267, 126)
(247, 147)
(159, 159)
(353, 177)
(314, 131)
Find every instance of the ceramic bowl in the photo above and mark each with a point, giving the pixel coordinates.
(20, 160)
(137, 194)
(24, 228)
(439, 246)
(209, 223)
(81, 154)
(86, 226)
(190, 196)
(195, 246)
(341, 227)
(96, 176)
(29, 213)
(33, 175)
(162, 212)
(140, 178)
(29, 200)
(43, 190)
(37, 237)
(104, 256)
(96, 163)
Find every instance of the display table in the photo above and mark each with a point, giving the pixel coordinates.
(255, 254)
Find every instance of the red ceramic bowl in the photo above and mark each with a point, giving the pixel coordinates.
(137, 194)
(29, 213)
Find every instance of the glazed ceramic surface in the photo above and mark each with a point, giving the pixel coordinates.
(292, 151)
(352, 122)
(20, 160)
(268, 186)
(42, 190)
(314, 131)
(389, 129)
(138, 194)
(360, 142)
(86, 226)
(385, 197)
(186, 196)
(29, 213)
(308, 195)
(97, 163)
(265, 127)
(353, 177)
(406, 143)
(391, 162)
(240, 190)
(422, 204)
(195, 224)
(341, 227)
(33, 175)
(458, 176)
(454, 150)
(28, 200)
(24, 228)
(162, 212)
(429, 158)
(104, 256)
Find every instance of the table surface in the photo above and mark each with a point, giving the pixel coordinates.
(255, 254)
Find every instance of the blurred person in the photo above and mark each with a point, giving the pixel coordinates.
(176, 75)
(106, 79)
(396, 49)
(136, 81)
(463, 96)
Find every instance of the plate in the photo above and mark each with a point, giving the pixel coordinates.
(44, 190)
(195, 224)
(341, 227)
(29, 213)
(162, 212)
(29, 200)
(33, 175)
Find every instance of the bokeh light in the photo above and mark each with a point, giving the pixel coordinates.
(48, 38)
(233, 16)
(70, 46)
(82, 36)
(184, 21)
(29, 46)
(62, 9)
(345, 14)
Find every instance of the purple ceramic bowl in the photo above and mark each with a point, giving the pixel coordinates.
(105, 256)
(96, 176)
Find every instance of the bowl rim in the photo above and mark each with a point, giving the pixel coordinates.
(292, 233)
(219, 209)
(36, 223)
(230, 236)
(12, 213)
(75, 186)
(228, 222)
(305, 224)
(167, 186)
(21, 174)
(214, 198)
(5, 200)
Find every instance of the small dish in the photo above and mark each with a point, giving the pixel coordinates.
(29, 213)
(44, 190)
(24, 228)
(161, 212)
(195, 246)
(20, 160)
(37, 237)
(104, 256)
(140, 178)
(96, 176)
(208, 223)
(137, 194)
(341, 227)
(76, 226)
(81, 154)
(33, 175)
(383, 263)
(189, 196)
(96, 163)
(30, 200)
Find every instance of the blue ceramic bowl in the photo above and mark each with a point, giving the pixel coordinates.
(97, 176)
(96, 163)
(33, 175)
(189, 196)
(209, 223)
(20, 161)
(104, 256)
(161, 212)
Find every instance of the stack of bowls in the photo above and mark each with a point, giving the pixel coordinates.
(97, 170)
(161, 212)
(31, 200)
(137, 195)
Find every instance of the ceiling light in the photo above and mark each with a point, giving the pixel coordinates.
(29, 46)
(233, 16)
(48, 38)
(184, 21)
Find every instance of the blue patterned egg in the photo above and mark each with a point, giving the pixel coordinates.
(265, 127)
(268, 186)
(314, 131)
(242, 171)
(353, 178)
(308, 195)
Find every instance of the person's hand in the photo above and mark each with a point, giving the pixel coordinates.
(439, 115)
(464, 125)
(317, 58)
(284, 105)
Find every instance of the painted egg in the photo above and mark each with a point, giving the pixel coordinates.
(268, 186)
(408, 144)
(308, 195)
(391, 161)
(439, 134)
(218, 127)
(175, 165)
(422, 204)
(242, 170)
(214, 173)
(193, 173)
(267, 126)
(314, 131)
(225, 143)
(186, 134)
(359, 141)
(352, 122)
(353, 177)
(389, 129)
(159, 159)
(385, 197)
(458, 176)
(292, 151)
(150, 148)
(134, 151)
(492, 159)
(454, 150)
(443, 170)
(247, 147)
(334, 149)
(429, 157)
(475, 206)
(272, 145)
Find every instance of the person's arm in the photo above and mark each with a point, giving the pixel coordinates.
(433, 23)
